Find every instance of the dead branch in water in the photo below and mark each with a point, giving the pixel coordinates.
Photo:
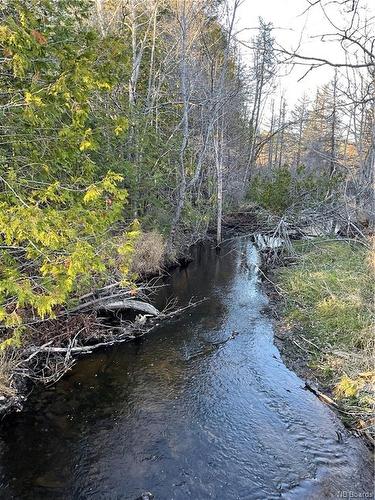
(320, 395)
(47, 363)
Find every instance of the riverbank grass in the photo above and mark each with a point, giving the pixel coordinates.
(7, 365)
(329, 308)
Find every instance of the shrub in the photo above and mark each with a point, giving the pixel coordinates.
(272, 193)
(280, 189)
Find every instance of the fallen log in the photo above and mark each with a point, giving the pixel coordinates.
(108, 304)
(135, 305)
(79, 349)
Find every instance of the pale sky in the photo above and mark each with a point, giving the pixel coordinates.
(292, 26)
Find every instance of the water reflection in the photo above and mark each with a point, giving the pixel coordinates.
(183, 412)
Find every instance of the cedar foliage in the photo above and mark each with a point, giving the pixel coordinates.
(58, 200)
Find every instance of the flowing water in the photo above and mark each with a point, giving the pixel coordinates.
(202, 407)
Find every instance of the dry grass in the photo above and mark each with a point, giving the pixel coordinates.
(149, 253)
(329, 298)
(7, 365)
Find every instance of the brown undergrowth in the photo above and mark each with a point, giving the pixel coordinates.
(149, 254)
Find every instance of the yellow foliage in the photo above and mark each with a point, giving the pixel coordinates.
(103, 85)
(92, 194)
(86, 145)
(121, 125)
(63, 243)
(13, 341)
(4, 33)
(19, 66)
(348, 387)
(33, 99)
(119, 130)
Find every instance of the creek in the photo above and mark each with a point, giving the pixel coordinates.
(202, 407)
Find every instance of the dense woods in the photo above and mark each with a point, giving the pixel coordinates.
(129, 128)
(112, 114)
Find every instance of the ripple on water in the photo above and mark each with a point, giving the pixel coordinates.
(185, 412)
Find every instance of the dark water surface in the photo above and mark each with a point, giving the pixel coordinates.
(181, 417)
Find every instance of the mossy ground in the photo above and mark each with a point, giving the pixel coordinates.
(328, 306)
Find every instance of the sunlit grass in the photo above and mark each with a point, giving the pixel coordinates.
(329, 299)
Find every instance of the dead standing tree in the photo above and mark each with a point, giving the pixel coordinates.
(188, 17)
(263, 74)
(184, 17)
(355, 37)
(220, 110)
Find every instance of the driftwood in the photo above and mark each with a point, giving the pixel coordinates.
(108, 304)
(47, 363)
(326, 399)
(79, 349)
(135, 305)
(265, 242)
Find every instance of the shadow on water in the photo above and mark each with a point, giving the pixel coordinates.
(181, 413)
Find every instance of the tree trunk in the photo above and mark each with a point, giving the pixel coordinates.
(218, 145)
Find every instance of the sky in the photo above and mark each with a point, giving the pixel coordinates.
(293, 26)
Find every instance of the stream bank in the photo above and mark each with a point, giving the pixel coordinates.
(49, 347)
(317, 269)
(323, 305)
(263, 228)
